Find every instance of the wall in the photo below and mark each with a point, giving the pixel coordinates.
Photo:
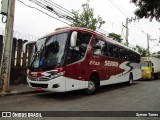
(20, 61)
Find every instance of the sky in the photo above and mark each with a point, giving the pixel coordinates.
(32, 22)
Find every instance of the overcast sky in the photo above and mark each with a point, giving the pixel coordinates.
(113, 12)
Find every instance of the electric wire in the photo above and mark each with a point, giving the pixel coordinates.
(119, 9)
(46, 5)
(60, 7)
(43, 12)
(116, 4)
(59, 13)
(124, 12)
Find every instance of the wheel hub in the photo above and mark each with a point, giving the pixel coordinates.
(91, 85)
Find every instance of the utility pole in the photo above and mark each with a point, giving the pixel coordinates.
(7, 49)
(148, 44)
(127, 31)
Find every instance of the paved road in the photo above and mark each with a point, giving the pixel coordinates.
(141, 96)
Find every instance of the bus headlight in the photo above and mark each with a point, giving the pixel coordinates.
(58, 74)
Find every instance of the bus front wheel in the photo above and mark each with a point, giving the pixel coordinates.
(92, 86)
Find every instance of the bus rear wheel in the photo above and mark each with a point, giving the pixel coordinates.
(130, 82)
(92, 86)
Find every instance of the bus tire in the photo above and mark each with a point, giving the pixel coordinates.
(92, 86)
(130, 81)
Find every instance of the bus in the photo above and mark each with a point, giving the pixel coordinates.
(79, 58)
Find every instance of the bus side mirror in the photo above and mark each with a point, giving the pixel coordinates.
(27, 43)
(152, 64)
(73, 39)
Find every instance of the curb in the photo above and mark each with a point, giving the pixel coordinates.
(20, 93)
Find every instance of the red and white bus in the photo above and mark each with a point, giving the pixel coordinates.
(79, 58)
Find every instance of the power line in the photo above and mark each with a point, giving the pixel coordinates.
(46, 5)
(118, 8)
(129, 14)
(58, 11)
(60, 7)
(126, 13)
(43, 12)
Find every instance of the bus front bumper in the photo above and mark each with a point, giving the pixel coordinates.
(56, 84)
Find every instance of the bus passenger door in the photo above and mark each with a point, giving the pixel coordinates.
(75, 57)
(73, 71)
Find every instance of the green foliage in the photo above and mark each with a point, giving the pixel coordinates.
(116, 37)
(148, 9)
(143, 52)
(157, 55)
(86, 19)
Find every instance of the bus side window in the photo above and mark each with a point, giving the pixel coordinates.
(78, 52)
(96, 47)
(131, 56)
(122, 53)
(110, 50)
(116, 52)
(113, 51)
(137, 58)
(100, 48)
(104, 50)
(128, 55)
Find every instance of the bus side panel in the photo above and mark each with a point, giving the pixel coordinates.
(116, 68)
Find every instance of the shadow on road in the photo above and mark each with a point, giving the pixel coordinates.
(119, 86)
(148, 80)
(71, 95)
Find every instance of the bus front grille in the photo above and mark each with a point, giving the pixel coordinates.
(39, 85)
(39, 79)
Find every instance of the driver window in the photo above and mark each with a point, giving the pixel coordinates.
(78, 52)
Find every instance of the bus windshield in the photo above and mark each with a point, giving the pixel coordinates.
(49, 51)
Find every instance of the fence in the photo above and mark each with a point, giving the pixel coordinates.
(19, 61)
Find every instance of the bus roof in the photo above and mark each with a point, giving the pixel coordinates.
(91, 32)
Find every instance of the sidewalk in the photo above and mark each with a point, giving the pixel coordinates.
(19, 90)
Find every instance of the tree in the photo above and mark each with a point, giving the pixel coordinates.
(148, 9)
(115, 37)
(86, 19)
(157, 55)
(143, 52)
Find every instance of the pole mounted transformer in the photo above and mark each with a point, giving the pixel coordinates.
(4, 7)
